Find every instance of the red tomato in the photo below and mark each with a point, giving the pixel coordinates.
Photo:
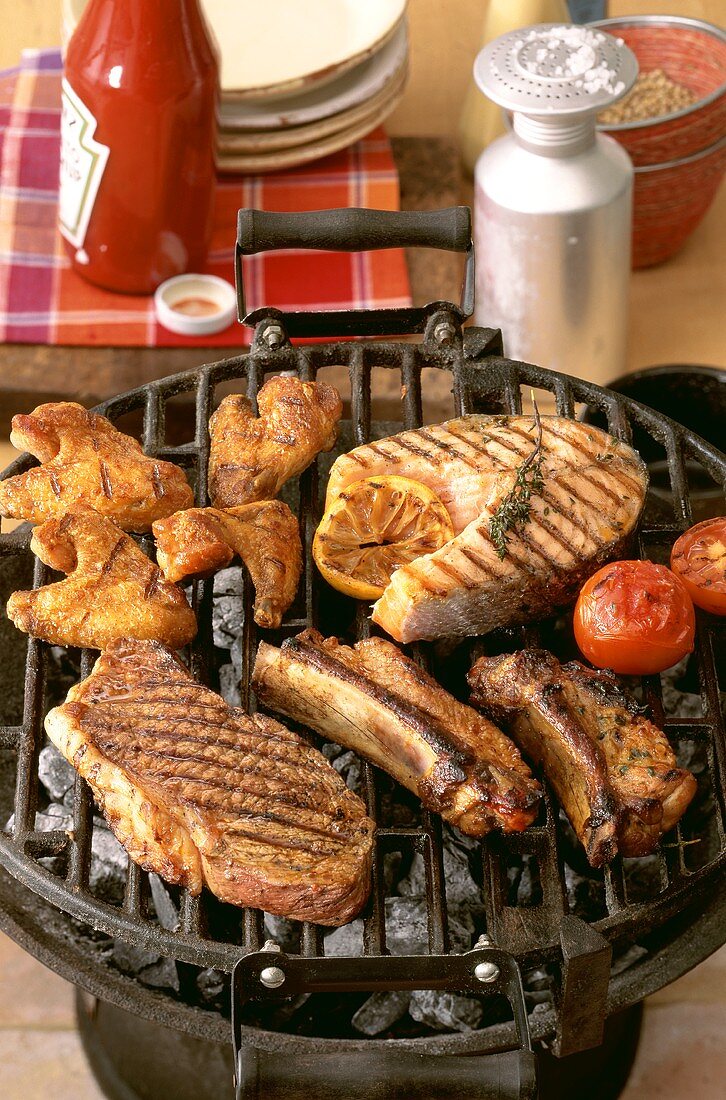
(634, 617)
(699, 559)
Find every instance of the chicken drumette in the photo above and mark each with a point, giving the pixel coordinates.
(252, 457)
(265, 534)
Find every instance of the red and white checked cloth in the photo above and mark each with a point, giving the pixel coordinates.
(43, 301)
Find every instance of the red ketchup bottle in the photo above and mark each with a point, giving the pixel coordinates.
(138, 135)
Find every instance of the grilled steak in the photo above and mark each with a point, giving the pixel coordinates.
(201, 792)
(612, 769)
(375, 700)
(594, 489)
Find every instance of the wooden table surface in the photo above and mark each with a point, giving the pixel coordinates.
(676, 312)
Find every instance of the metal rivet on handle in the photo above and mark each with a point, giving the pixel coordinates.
(486, 972)
(273, 336)
(444, 332)
(272, 977)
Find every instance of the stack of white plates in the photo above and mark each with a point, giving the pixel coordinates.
(300, 78)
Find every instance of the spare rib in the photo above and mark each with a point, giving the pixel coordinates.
(612, 769)
(373, 699)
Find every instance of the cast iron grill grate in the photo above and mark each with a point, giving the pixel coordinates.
(479, 381)
(543, 931)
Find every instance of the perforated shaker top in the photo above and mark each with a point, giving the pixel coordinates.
(555, 68)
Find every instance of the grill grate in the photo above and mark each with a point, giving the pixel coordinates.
(481, 381)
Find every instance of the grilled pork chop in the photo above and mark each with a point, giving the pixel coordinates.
(375, 700)
(613, 770)
(201, 792)
(252, 457)
(86, 460)
(265, 534)
(112, 589)
(594, 489)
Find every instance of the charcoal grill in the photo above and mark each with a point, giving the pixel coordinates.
(676, 922)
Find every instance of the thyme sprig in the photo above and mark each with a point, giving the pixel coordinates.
(515, 506)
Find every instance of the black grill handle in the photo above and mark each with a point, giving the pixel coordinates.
(332, 1070)
(355, 230)
(392, 1075)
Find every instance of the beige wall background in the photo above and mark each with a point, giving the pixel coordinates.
(445, 36)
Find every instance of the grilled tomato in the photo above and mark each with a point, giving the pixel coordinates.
(698, 557)
(634, 617)
(375, 526)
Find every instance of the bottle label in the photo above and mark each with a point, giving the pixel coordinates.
(83, 161)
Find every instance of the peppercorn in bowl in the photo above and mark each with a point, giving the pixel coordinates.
(673, 125)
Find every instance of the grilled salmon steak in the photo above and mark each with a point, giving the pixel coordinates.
(375, 700)
(265, 534)
(612, 769)
(86, 460)
(251, 457)
(202, 793)
(112, 589)
(593, 492)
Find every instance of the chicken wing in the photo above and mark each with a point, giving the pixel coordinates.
(86, 460)
(251, 457)
(265, 534)
(113, 590)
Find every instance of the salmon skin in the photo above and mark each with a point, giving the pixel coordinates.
(593, 495)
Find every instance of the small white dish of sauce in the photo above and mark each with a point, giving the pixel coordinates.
(195, 305)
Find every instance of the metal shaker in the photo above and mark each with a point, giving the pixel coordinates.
(553, 201)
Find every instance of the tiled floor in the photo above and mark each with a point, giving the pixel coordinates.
(682, 1054)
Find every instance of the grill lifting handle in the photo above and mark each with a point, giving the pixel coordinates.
(376, 1070)
(356, 230)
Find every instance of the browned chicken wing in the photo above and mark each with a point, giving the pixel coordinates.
(86, 460)
(201, 792)
(252, 457)
(612, 769)
(265, 534)
(374, 699)
(113, 590)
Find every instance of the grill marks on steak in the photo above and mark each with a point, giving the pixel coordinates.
(375, 700)
(202, 792)
(612, 769)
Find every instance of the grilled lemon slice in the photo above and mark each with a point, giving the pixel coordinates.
(375, 526)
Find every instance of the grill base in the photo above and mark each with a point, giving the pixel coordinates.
(136, 1059)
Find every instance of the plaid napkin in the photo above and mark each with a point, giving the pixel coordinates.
(43, 301)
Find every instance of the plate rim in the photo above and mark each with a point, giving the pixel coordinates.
(317, 77)
(374, 72)
(303, 154)
(230, 141)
